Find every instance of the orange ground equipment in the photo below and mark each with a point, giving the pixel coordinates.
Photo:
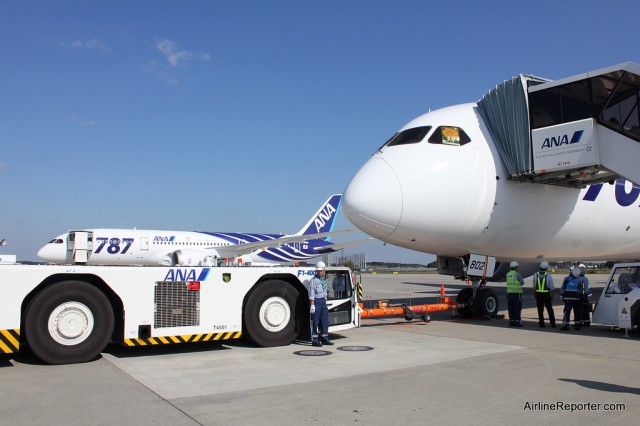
(383, 309)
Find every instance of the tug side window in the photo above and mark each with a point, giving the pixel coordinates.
(624, 280)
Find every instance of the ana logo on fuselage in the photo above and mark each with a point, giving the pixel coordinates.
(161, 239)
(324, 216)
(562, 140)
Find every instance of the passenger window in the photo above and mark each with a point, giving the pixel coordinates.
(408, 136)
(449, 135)
(623, 281)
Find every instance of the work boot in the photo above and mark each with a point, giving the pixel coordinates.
(327, 342)
(565, 327)
(316, 343)
(541, 325)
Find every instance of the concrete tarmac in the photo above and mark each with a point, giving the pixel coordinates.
(451, 371)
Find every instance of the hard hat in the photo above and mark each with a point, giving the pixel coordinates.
(583, 269)
(513, 264)
(320, 266)
(575, 272)
(544, 265)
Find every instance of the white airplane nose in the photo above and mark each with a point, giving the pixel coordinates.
(373, 199)
(43, 253)
(49, 254)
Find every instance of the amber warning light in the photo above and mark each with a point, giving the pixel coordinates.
(194, 285)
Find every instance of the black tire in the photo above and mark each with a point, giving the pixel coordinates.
(464, 297)
(486, 303)
(408, 313)
(68, 322)
(270, 314)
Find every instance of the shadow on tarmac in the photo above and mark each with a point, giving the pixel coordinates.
(602, 386)
(120, 351)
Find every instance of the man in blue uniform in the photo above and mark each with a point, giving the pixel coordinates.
(318, 293)
(571, 292)
(514, 295)
(543, 286)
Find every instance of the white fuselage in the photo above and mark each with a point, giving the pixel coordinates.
(168, 248)
(155, 247)
(454, 200)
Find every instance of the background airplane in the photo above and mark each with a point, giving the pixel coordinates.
(153, 247)
(440, 186)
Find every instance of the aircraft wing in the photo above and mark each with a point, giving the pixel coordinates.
(244, 248)
(339, 246)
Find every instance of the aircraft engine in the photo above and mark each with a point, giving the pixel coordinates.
(192, 258)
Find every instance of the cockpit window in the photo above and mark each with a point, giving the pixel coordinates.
(408, 136)
(56, 241)
(449, 135)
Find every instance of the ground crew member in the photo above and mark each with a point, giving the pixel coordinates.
(514, 295)
(318, 292)
(543, 287)
(571, 292)
(586, 306)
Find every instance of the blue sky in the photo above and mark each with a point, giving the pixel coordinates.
(246, 115)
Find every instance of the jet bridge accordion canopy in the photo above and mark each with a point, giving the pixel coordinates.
(505, 111)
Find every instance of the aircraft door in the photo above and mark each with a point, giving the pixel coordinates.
(144, 244)
(80, 243)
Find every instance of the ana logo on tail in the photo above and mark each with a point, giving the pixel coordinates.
(324, 215)
(323, 219)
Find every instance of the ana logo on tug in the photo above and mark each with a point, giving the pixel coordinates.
(186, 274)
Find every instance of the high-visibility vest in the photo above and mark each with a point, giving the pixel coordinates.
(513, 285)
(572, 288)
(542, 283)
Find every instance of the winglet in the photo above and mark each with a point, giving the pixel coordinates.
(324, 218)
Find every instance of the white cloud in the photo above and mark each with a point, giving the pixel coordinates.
(86, 123)
(176, 57)
(92, 44)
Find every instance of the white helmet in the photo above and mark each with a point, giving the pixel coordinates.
(544, 265)
(320, 266)
(583, 269)
(513, 264)
(575, 272)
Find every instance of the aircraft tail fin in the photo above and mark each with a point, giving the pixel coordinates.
(324, 218)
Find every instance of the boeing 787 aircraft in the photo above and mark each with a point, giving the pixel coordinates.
(149, 247)
(445, 183)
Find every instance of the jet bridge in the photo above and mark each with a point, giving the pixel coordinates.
(573, 132)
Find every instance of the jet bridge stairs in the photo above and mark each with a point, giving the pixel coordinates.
(573, 132)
